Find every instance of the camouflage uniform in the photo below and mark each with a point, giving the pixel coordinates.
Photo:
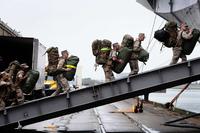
(134, 57)
(177, 50)
(61, 80)
(5, 88)
(12, 69)
(109, 76)
(107, 67)
(53, 57)
(171, 28)
(20, 80)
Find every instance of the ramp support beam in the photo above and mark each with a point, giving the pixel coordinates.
(147, 82)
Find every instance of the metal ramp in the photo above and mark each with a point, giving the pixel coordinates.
(51, 107)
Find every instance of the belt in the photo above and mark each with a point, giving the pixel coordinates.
(70, 66)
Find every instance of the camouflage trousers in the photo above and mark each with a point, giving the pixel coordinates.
(15, 97)
(109, 76)
(19, 96)
(63, 85)
(177, 53)
(134, 66)
(11, 96)
(2, 104)
(3, 95)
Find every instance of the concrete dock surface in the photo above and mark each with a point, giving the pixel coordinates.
(119, 118)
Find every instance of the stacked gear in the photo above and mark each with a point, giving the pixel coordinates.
(124, 54)
(167, 34)
(188, 45)
(71, 63)
(127, 41)
(30, 82)
(53, 56)
(143, 55)
(101, 49)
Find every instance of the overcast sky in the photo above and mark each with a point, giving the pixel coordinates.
(74, 24)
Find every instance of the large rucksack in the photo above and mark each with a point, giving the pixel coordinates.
(72, 63)
(101, 50)
(171, 25)
(96, 44)
(167, 35)
(124, 54)
(161, 35)
(53, 57)
(143, 56)
(164, 36)
(127, 41)
(188, 45)
(30, 82)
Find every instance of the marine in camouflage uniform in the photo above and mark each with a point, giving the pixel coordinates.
(20, 80)
(53, 57)
(61, 80)
(107, 67)
(109, 76)
(5, 88)
(171, 28)
(183, 33)
(12, 70)
(136, 46)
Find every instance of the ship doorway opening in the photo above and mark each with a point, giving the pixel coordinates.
(15, 48)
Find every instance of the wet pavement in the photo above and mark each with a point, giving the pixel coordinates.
(153, 118)
(116, 122)
(108, 119)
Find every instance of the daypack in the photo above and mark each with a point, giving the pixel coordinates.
(30, 82)
(101, 50)
(127, 41)
(143, 56)
(72, 63)
(188, 45)
(124, 54)
(53, 56)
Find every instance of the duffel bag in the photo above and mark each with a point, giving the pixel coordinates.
(30, 82)
(143, 56)
(124, 54)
